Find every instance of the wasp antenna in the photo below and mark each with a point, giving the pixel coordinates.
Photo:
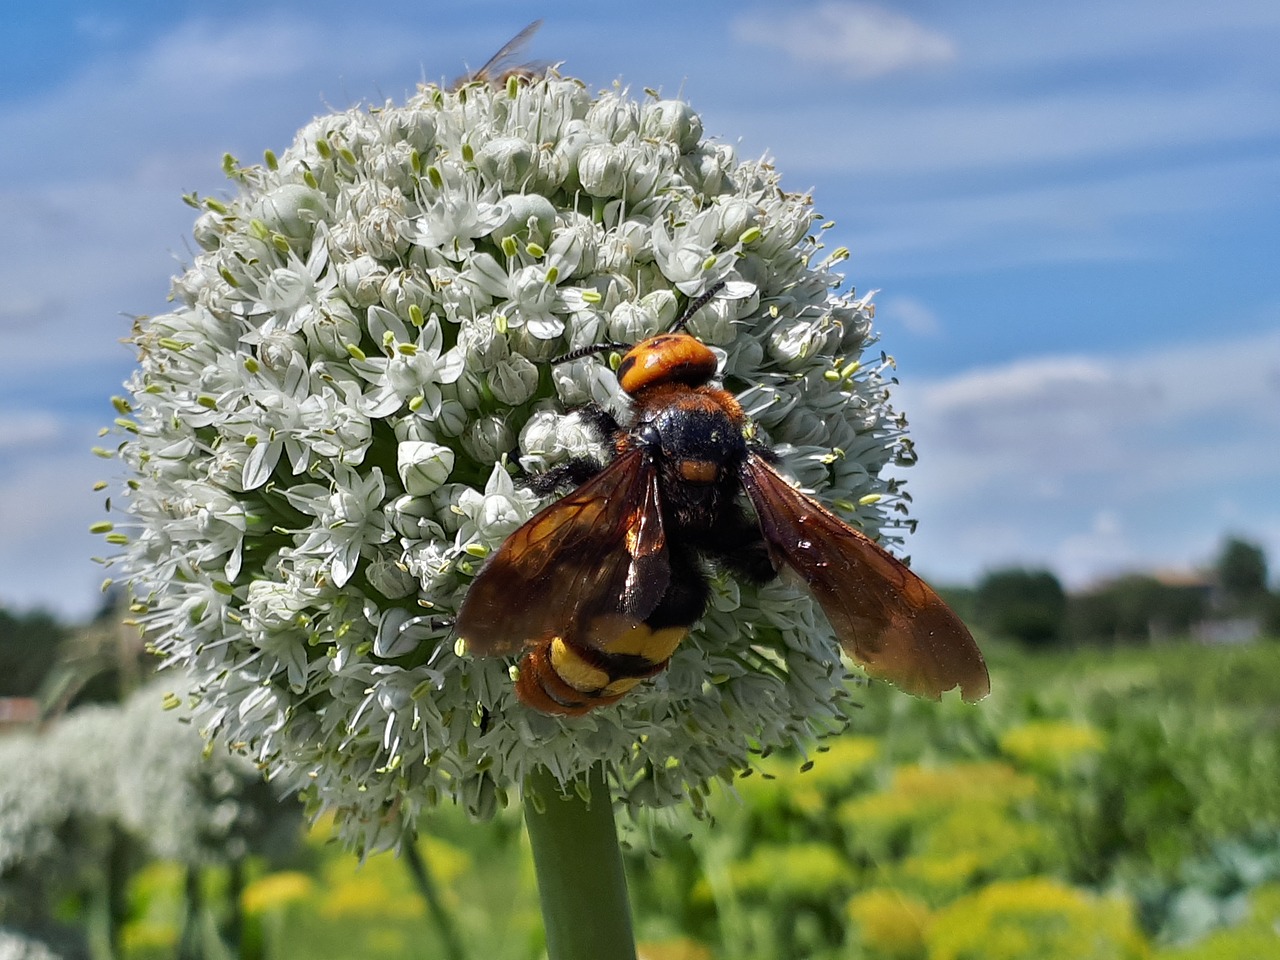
(697, 304)
(588, 351)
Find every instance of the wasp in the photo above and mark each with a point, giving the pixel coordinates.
(598, 589)
(499, 67)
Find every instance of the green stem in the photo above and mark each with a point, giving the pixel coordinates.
(580, 879)
(119, 866)
(189, 944)
(426, 885)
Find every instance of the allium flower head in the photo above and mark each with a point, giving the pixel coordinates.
(325, 438)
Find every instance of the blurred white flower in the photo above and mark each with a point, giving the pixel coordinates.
(134, 768)
(19, 946)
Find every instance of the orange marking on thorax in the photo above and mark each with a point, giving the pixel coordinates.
(666, 358)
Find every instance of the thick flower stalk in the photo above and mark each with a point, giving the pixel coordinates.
(327, 435)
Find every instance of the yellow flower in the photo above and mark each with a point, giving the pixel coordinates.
(1035, 918)
(842, 762)
(798, 871)
(784, 782)
(446, 861)
(976, 840)
(1050, 745)
(679, 949)
(945, 786)
(890, 923)
(365, 897)
(276, 890)
(918, 797)
(940, 876)
(149, 937)
(918, 791)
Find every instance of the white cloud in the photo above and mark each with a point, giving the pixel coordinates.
(1095, 464)
(1195, 405)
(911, 314)
(859, 40)
(22, 429)
(46, 507)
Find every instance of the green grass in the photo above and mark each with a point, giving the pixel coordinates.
(1098, 804)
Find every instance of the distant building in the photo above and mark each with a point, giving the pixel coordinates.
(1227, 631)
(18, 712)
(1166, 605)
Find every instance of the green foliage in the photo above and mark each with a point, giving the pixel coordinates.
(1255, 935)
(1025, 605)
(1212, 891)
(1095, 796)
(1271, 615)
(30, 646)
(1184, 745)
(1242, 573)
(1135, 609)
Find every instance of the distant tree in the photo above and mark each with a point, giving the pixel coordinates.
(1271, 616)
(961, 599)
(1139, 602)
(1027, 605)
(1135, 609)
(1242, 573)
(30, 645)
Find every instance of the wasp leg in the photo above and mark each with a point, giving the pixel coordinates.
(599, 421)
(571, 473)
(602, 425)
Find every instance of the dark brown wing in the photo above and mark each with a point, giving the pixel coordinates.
(598, 550)
(886, 618)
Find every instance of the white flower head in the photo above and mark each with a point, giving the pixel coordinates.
(327, 433)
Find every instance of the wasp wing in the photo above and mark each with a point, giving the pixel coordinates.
(494, 66)
(886, 617)
(598, 550)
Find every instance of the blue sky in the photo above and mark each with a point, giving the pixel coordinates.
(1072, 212)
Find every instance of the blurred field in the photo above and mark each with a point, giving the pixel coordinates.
(1100, 804)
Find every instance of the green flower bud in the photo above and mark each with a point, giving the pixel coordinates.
(488, 439)
(423, 466)
(513, 380)
(291, 209)
(509, 162)
(672, 120)
(602, 169)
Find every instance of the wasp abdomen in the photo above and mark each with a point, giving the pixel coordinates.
(569, 677)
